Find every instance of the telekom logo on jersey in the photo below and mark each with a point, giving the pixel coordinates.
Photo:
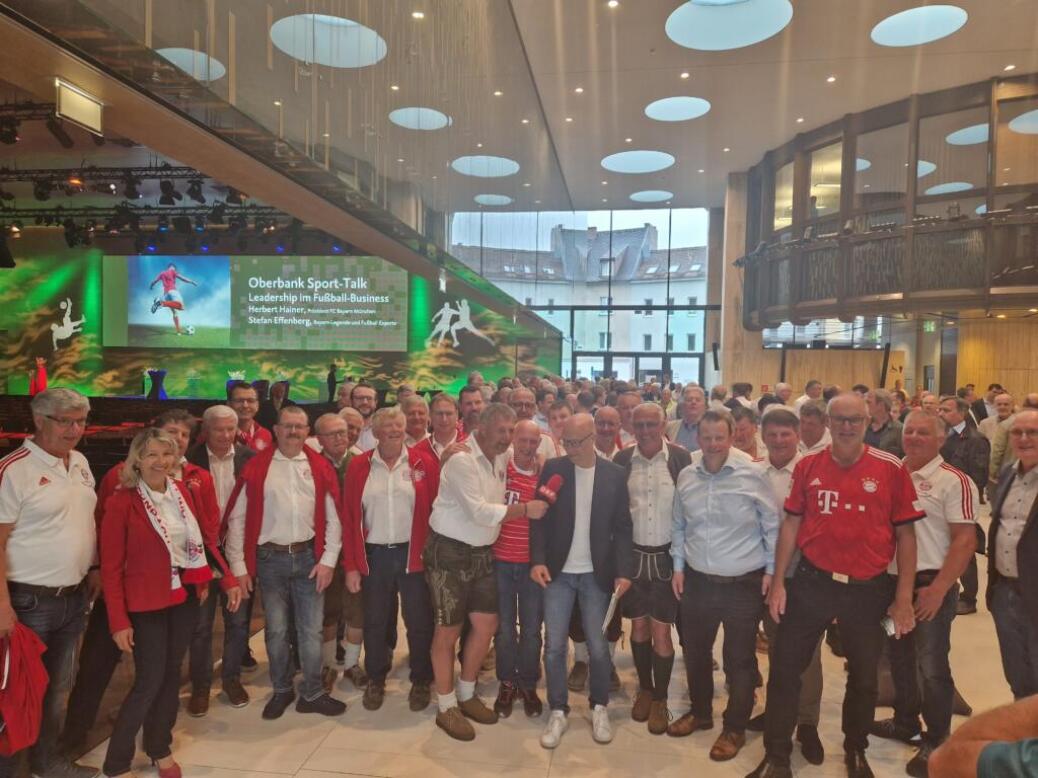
(830, 498)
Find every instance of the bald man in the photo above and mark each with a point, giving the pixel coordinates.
(607, 428)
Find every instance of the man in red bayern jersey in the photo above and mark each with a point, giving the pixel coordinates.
(519, 598)
(850, 510)
(171, 297)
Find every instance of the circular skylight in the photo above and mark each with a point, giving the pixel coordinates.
(677, 109)
(482, 166)
(638, 161)
(968, 136)
(923, 168)
(652, 196)
(333, 41)
(197, 64)
(715, 25)
(862, 164)
(1025, 123)
(417, 118)
(916, 26)
(948, 188)
(492, 199)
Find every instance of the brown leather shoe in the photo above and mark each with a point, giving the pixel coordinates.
(642, 704)
(475, 709)
(198, 705)
(505, 699)
(659, 718)
(374, 694)
(532, 705)
(453, 722)
(688, 724)
(357, 675)
(236, 694)
(329, 675)
(727, 745)
(419, 696)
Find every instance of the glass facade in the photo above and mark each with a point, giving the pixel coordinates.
(627, 288)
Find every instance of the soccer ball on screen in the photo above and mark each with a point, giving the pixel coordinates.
(190, 329)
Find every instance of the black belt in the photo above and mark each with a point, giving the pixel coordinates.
(45, 591)
(653, 549)
(376, 546)
(818, 572)
(753, 575)
(454, 542)
(291, 548)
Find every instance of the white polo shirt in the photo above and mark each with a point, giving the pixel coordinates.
(471, 503)
(388, 501)
(54, 540)
(948, 496)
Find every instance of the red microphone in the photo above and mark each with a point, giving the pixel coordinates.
(550, 490)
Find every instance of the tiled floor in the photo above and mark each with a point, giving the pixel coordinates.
(231, 743)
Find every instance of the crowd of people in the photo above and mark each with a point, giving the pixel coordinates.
(519, 523)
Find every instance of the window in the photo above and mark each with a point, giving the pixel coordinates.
(651, 270)
(783, 197)
(526, 269)
(670, 342)
(691, 341)
(693, 300)
(695, 268)
(549, 271)
(508, 268)
(647, 342)
(648, 305)
(826, 166)
(605, 267)
(673, 268)
(605, 340)
(604, 303)
(529, 301)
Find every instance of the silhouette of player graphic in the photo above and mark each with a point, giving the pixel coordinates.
(67, 328)
(442, 325)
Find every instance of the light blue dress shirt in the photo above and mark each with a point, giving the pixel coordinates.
(725, 523)
(688, 436)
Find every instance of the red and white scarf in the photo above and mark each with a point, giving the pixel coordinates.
(193, 545)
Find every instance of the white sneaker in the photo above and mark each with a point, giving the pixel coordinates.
(601, 729)
(557, 724)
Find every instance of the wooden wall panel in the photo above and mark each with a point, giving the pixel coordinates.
(843, 368)
(1002, 350)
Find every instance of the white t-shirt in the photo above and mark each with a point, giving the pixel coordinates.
(54, 540)
(579, 559)
(948, 496)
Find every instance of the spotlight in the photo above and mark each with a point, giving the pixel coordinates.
(194, 190)
(235, 224)
(336, 248)
(41, 190)
(6, 258)
(199, 224)
(234, 197)
(15, 231)
(169, 196)
(71, 233)
(216, 215)
(9, 130)
(58, 131)
(151, 247)
(131, 190)
(280, 247)
(163, 224)
(181, 224)
(204, 246)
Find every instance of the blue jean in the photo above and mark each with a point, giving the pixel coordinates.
(235, 639)
(559, 597)
(1017, 639)
(58, 621)
(922, 676)
(519, 599)
(287, 588)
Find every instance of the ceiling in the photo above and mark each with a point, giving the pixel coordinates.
(536, 54)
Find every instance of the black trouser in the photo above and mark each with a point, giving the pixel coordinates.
(160, 640)
(387, 576)
(98, 658)
(706, 603)
(970, 582)
(814, 599)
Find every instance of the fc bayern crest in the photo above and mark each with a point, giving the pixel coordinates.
(870, 485)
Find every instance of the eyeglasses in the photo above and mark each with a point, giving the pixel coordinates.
(568, 443)
(68, 423)
(851, 421)
(1019, 433)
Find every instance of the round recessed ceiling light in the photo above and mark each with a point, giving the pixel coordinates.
(800, 120)
(333, 41)
(686, 74)
(418, 118)
(651, 196)
(481, 166)
(917, 26)
(948, 188)
(1007, 68)
(613, 3)
(1025, 123)
(492, 199)
(677, 109)
(197, 64)
(830, 79)
(628, 140)
(717, 25)
(579, 90)
(967, 136)
(417, 14)
(924, 168)
(862, 164)
(640, 161)
(498, 93)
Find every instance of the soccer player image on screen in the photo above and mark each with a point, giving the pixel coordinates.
(171, 297)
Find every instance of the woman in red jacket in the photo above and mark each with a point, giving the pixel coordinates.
(153, 592)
